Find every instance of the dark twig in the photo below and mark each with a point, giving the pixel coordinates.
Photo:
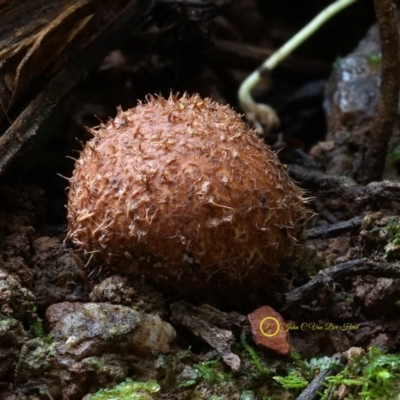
(328, 275)
(311, 392)
(244, 56)
(333, 230)
(382, 126)
(316, 180)
(346, 188)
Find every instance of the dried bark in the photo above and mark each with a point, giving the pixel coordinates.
(373, 194)
(46, 49)
(325, 278)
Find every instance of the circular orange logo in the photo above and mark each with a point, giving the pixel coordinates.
(272, 323)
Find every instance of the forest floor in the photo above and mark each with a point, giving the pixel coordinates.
(354, 233)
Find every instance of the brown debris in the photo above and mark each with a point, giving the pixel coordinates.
(73, 39)
(57, 277)
(201, 322)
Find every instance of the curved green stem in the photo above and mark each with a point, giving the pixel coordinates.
(244, 93)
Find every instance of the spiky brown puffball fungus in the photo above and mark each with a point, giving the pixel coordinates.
(184, 190)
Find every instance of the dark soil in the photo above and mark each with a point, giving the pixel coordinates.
(39, 269)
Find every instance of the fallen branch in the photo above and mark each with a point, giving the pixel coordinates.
(344, 187)
(333, 230)
(327, 276)
(32, 118)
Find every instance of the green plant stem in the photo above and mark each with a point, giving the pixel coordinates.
(244, 94)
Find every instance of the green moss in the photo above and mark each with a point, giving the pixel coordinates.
(10, 330)
(255, 359)
(386, 233)
(302, 372)
(36, 328)
(374, 375)
(166, 371)
(393, 237)
(207, 372)
(374, 59)
(292, 380)
(210, 372)
(247, 395)
(128, 390)
(309, 369)
(371, 376)
(348, 135)
(336, 63)
(37, 357)
(394, 155)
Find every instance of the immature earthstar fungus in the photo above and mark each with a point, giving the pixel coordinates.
(183, 190)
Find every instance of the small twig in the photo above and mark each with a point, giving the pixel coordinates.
(382, 127)
(349, 268)
(244, 56)
(346, 188)
(311, 392)
(333, 230)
